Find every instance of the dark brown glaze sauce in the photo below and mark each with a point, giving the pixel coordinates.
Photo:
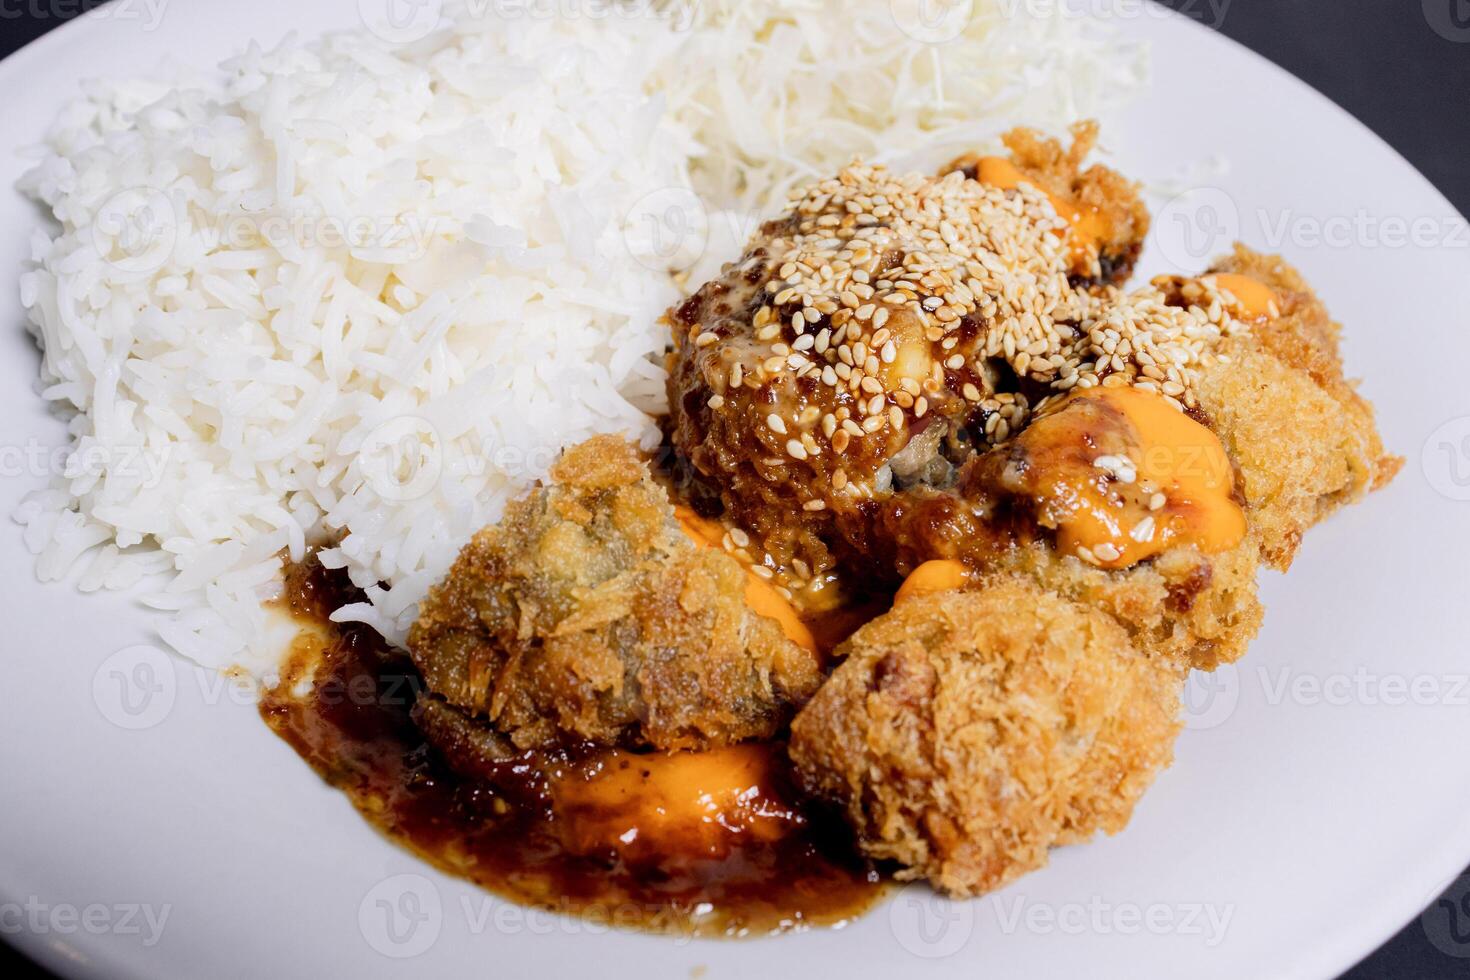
(777, 865)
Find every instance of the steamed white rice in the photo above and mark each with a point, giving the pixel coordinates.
(360, 292)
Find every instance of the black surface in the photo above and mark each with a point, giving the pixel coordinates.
(1400, 66)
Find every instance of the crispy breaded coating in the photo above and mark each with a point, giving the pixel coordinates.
(969, 732)
(1195, 610)
(587, 614)
(1303, 438)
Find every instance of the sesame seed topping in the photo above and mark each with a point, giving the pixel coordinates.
(1120, 468)
(880, 299)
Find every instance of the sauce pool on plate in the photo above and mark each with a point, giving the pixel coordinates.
(710, 844)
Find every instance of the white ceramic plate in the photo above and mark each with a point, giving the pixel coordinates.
(1317, 803)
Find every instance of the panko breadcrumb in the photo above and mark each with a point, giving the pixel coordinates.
(966, 733)
(588, 615)
(1303, 438)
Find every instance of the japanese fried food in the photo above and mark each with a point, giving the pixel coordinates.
(833, 384)
(1303, 438)
(930, 388)
(1195, 610)
(865, 391)
(587, 614)
(967, 732)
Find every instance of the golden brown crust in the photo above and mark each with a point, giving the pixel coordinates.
(587, 614)
(1197, 611)
(969, 732)
(1303, 438)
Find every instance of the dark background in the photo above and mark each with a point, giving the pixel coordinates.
(1400, 66)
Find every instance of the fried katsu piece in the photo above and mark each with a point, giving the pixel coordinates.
(843, 390)
(832, 384)
(1303, 438)
(967, 733)
(588, 614)
(894, 372)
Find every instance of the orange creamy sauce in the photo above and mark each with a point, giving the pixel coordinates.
(817, 631)
(718, 843)
(1124, 475)
(699, 803)
(1256, 300)
(938, 575)
(1088, 228)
